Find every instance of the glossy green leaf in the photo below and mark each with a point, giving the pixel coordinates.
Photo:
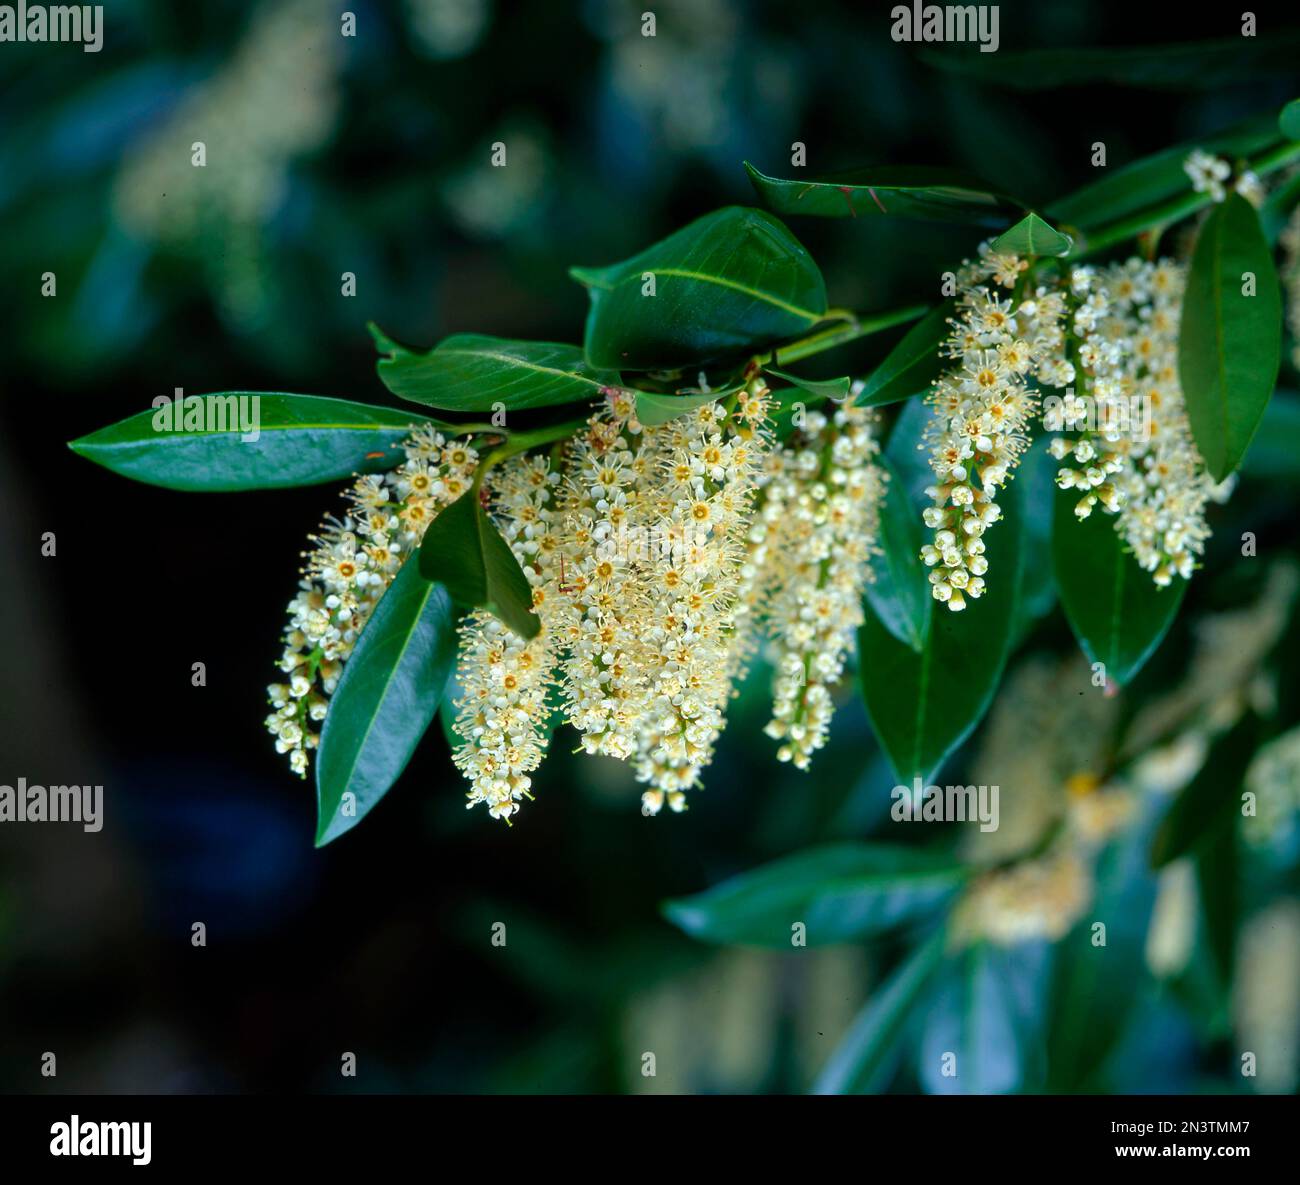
(389, 691)
(901, 190)
(1229, 343)
(474, 372)
(653, 408)
(912, 365)
(1117, 612)
(1032, 236)
(922, 705)
(464, 551)
(864, 1059)
(835, 389)
(840, 892)
(1289, 120)
(301, 440)
(1274, 454)
(986, 1012)
(733, 281)
(899, 594)
(1154, 179)
(1212, 798)
(1189, 65)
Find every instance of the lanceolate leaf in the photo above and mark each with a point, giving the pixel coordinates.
(1229, 339)
(1117, 612)
(733, 281)
(983, 1024)
(1032, 236)
(899, 595)
(300, 440)
(390, 689)
(653, 408)
(839, 892)
(923, 704)
(463, 549)
(1087, 1015)
(835, 389)
(901, 190)
(1125, 189)
(863, 1061)
(912, 365)
(474, 372)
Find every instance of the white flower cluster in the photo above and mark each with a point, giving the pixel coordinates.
(819, 523)
(352, 562)
(982, 407)
(1109, 338)
(1132, 450)
(656, 557)
(1208, 174)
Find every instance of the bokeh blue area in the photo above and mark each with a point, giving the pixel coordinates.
(370, 155)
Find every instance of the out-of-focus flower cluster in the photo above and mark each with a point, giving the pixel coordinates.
(277, 99)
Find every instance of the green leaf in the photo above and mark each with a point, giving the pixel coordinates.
(463, 549)
(1088, 1015)
(302, 440)
(987, 1011)
(1274, 454)
(899, 595)
(474, 372)
(901, 190)
(1154, 179)
(653, 408)
(922, 705)
(1229, 344)
(834, 389)
(1289, 120)
(1188, 65)
(1117, 612)
(1212, 798)
(912, 365)
(840, 892)
(1032, 236)
(733, 281)
(389, 691)
(863, 1060)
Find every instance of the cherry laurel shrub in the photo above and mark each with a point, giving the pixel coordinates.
(610, 535)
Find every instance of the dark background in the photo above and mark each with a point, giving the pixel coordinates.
(379, 944)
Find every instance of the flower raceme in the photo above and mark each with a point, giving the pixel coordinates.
(1109, 339)
(661, 559)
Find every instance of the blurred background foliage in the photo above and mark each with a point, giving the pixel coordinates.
(371, 155)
